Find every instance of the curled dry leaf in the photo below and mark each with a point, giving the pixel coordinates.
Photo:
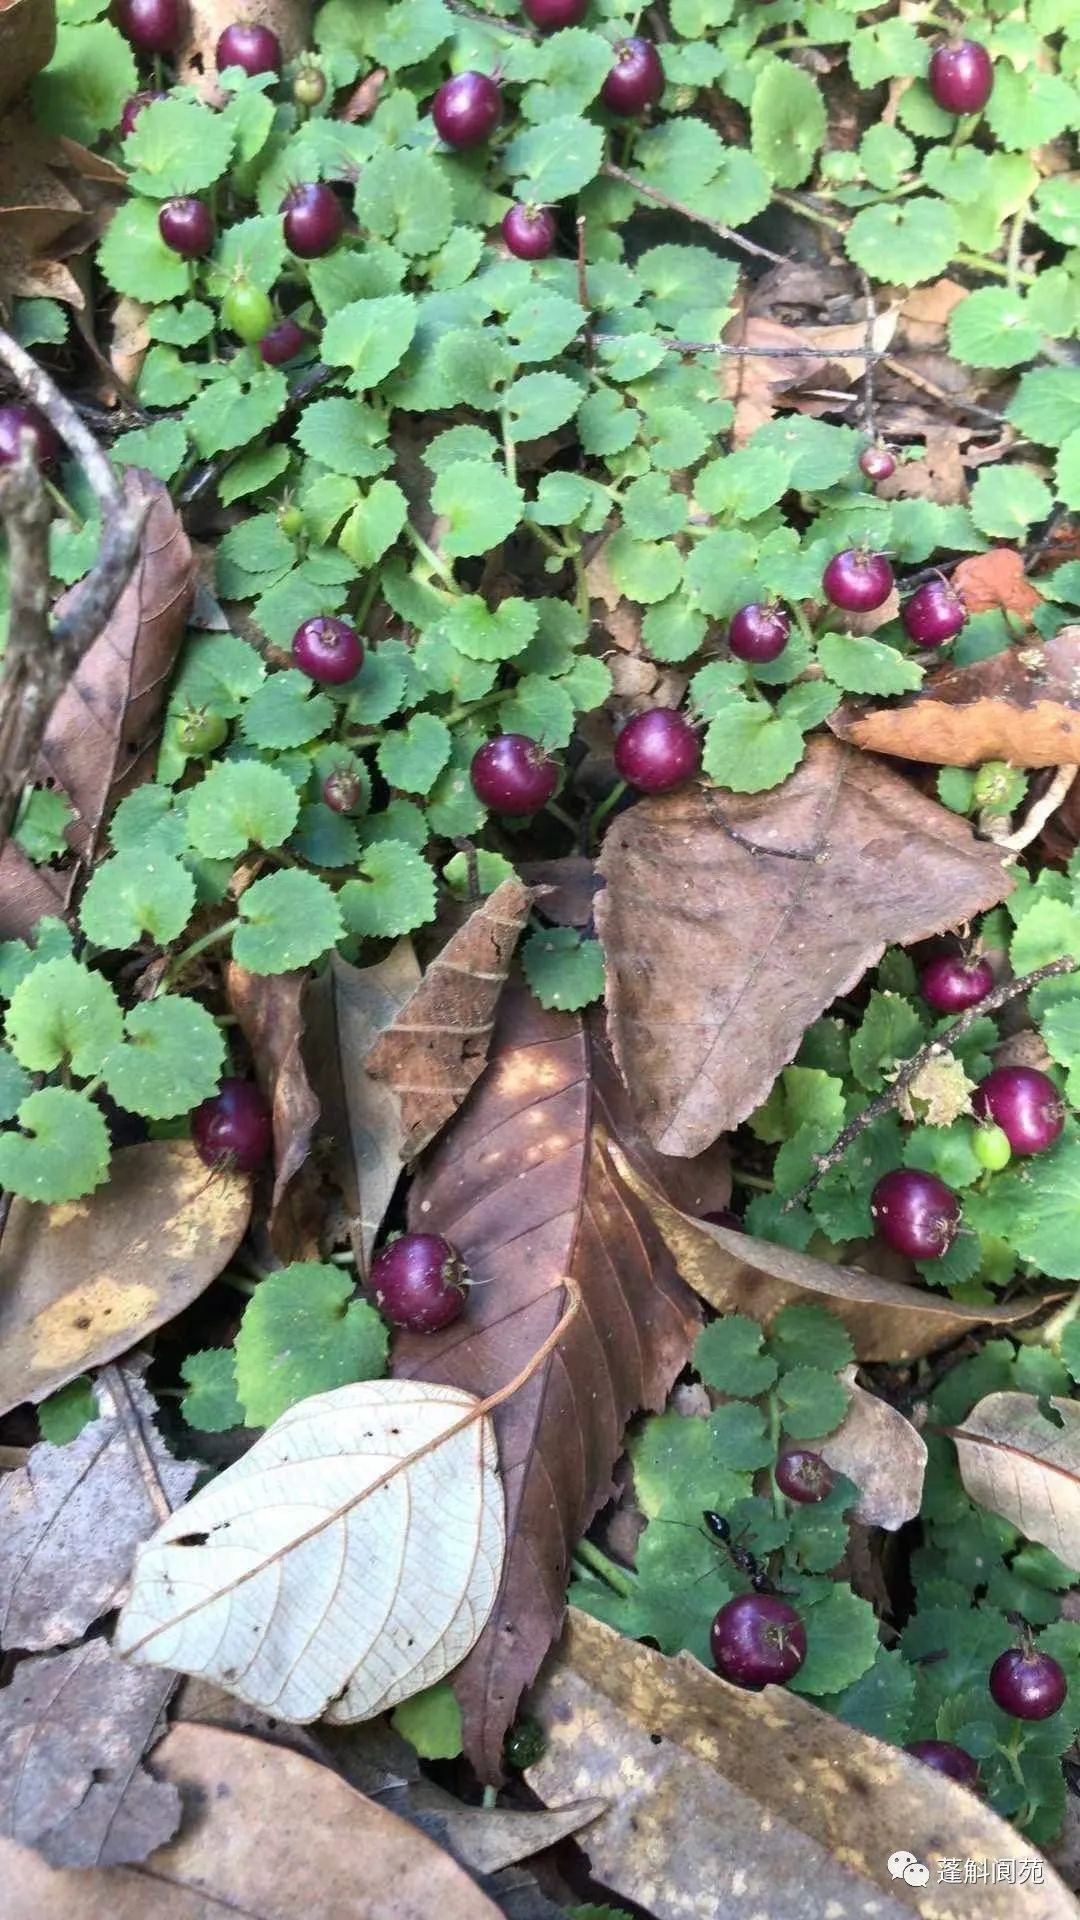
(84, 1282)
(276, 1837)
(74, 1728)
(737, 1273)
(207, 20)
(1022, 705)
(269, 1010)
(882, 1453)
(1025, 1467)
(27, 40)
(345, 1011)
(436, 1047)
(772, 906)
(71, 1518)
(54, 195)
(996, 579)
(102, 733)
(523, 1186)
(348, 1560)
(684, 1758)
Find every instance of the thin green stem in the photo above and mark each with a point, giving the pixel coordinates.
(468, 707)
(1015, 242)
(565, 819)
(237, 1280)
(509, 449)
(428, 553)
(803, 623)
(616, 1577)
(490, 1799)
(211, 939)
(757, 1181)
(549, 541)
(581, 590)
(63, 504)
(778, 1501)
(606, 806)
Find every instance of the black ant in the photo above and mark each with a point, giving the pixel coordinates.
(747, 1562)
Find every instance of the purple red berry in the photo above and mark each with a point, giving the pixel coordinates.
(419, 1282)
(1024, 1103)
(513, 775)
(952, 982)
(1027, 1683)
(804, 1476)
(961, 77)
(282, 342)
(342, 790)
(132, 109)
(858, 581)
(328, 650)
(256, 49)
(529, 232)
(757, 1638)
(636, 81)
(550, 16)
(915, 1212)
(946, 1758)
(313, 219)
(152, 26)
(877, 463)
(759, 632)
(46, 447)
(934, 614)
(187, 226)
(233, 1128)
(467, 109)
(657, 750)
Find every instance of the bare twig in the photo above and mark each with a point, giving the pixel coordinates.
(113, 1386)
(869, 420)
(934, 1049)
(923, 385)
(612, 172)
(1039, 812)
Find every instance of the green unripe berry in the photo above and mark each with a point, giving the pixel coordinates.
(991, 1148)
(247, 311)
(309, 87)
(199, 731)
(291, 522)
(524, 1743)
(999, 787)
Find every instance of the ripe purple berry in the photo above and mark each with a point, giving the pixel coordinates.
(1028, 1684)
(314, 221)
(152, 26)
(328, 650)
(757, 1638)
(513, 775)
(961, 77)
(934, 614)
(282, 342)
(1024, 1103)
(551, 15)
(233, 1128)
(915, 1212)
(342, 791)
(636, 81)
(946, 1758)
(657, 750)
(187, 226)
(759, 632)
(858, 581)
(256, 49)
(804, 1476)
(419, 1282)
(132, 109)
(467, 109)
(46, 447)
(877, 463)
(952, 982)
(529, 232)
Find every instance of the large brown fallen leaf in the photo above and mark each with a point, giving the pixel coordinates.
(84, 1282)
(771, 905)
(737, 1273)
(269, 1010)
(345, 1011)
(71, 1518)
(55, 200)
(74, 1728)
(102, 734)
(727, 1803)
(882, 1453)
(523, 1185)
(1022, 705)
(436, 1047)
(27, 39)
(274, 1837)
(1023, 1466)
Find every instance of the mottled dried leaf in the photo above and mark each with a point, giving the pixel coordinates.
(1025, 1467)
(772, 906)
(84, 1282)
(686, 1760)
(27, 39)
(882, 1453)
(269, 1008)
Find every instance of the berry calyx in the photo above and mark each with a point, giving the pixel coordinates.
(804, 1476)
(187, 226)
(657, 750)
(513, 775)
(636, 81)
(946, 1758)
(467, 109)
(46, 447)
(256, 49)
(200, 730)
(342, 790)
(419, 1282)
(529, 232)
(233, 1128)
(132, 109)
(309, 87)
(551, 15)
(152, 26)
(328, 650)
(282, 342)
(877, 463)
(1024, 1103)
(961, 77)
(247, 311)
(759, 632)
(952, 982)
(757, 1638)
(313, 219)
(934, 614)
(1027, 1683)
(991, 1148)
(915, 1212)
(857, 581)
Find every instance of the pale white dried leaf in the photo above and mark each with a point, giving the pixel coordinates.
(349, 1560)
(1017, 1463)
(882, 1453)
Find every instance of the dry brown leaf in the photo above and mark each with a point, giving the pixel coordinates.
(568, 885)
(772, 905)
(523, 1186)
(1025, 1467)
(1022, 705)
(102, 733)
(755, 385)
(71, 1518)
(55, 199)
(345, 1011)
(737, 1273)
(925, 311)
(207, 20)
(27, 41)
(273, 1837)
(996, 579)
(86, 1281)
(74, 1728)
(727, 1803)
(436, 1047)
(937, 475)
(882, 1453)
(129, 339)
(269, 1010)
